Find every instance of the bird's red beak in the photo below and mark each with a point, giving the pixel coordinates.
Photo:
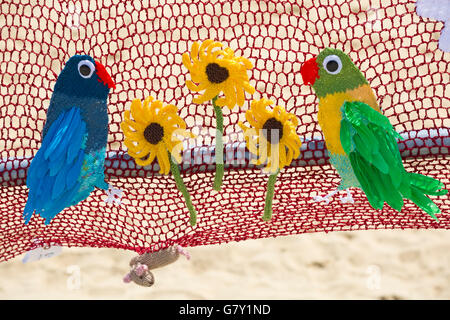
(310, 71)
(103, 75)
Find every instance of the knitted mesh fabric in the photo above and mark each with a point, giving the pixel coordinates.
(141, 46)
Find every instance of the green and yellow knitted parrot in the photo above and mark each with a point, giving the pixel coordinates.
(360, 140)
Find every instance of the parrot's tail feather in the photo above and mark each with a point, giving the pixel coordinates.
(421, 186)
(28, 212)
(427, 185)
(423, 202)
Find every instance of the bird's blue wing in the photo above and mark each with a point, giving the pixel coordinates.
(52, 178)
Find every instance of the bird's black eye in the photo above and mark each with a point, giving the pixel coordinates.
(86, 68)
(332, 64)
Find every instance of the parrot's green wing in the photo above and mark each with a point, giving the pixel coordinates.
(369, 140)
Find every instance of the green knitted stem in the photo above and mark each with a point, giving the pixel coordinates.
(180, 185)
(269, 197)
(219, 146)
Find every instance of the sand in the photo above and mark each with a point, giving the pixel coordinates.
(379, 264)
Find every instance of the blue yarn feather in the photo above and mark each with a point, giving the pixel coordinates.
(62, 131)
(60, 204)
(68, 148)
(57, 162)
(77, 139)
(74, 172)
(43, 194)
(60, 185)
(48, 137)
(75, 123)
(29, 208)
(32, 172)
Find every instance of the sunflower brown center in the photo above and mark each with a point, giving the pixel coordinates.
(154, 133)
(216, 73)
(275, 127)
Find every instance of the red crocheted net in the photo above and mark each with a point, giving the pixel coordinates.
(141, 47)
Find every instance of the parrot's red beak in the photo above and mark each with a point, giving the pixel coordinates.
(310, 71)
(103, 75)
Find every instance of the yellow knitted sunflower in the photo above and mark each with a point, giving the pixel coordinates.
(217, 71)
(150, 131)
(272, 139)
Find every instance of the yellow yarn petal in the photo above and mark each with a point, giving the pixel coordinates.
(176, 151)
(135, 148)
(209, 94)
(135, 125)
(230, 94)
(146, 162)
(194, 52)
(205, 44)
(192, 86)
(240, 96)
(136, 110)
(163, 159)
(282, 155)
(247, 87)
(212, 46)
(186, 61)
(136, 136)
(292, 145)
(251, 118)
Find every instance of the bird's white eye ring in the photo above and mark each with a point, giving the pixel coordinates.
(332, 64)
(86, 68)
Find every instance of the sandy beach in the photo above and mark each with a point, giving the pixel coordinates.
(380, 264)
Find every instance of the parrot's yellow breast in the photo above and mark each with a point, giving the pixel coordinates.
(330, 115)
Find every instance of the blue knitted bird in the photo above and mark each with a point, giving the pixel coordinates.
(70, 162)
